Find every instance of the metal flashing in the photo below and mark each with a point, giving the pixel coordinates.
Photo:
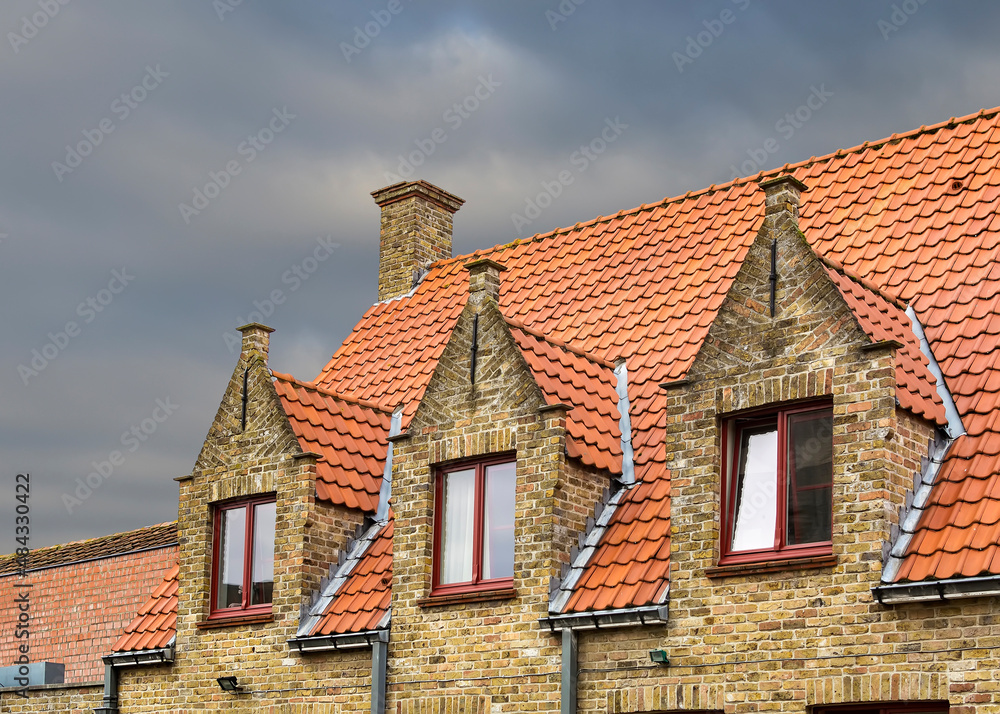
(385, 492)
(955, 427)
(312, 613)
(588, 544)
(916, 501)
(625, 422)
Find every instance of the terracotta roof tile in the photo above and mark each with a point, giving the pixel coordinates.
(362, 599)
(649, 290)
(156, 624)
(349, 434)
(587, 383)
(882, 319)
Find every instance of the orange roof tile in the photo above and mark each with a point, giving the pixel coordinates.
(569, 376)
(360, 601)
(882, 319)
(646, 284)
(349, 434)
(156, 624)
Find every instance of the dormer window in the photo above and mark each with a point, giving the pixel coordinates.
(243, 559)
(474, 526)
(778, 484)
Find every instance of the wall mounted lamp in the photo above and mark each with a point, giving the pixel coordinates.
(658, 656)
(228, 684)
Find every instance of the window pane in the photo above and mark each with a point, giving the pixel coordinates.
(232, 542)
(263, 554)
(810, 477)
(459, 518)
(757, 489)
(498, 522)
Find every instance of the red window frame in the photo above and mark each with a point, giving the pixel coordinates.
(477, 583)
(245, 609)
(731, 439)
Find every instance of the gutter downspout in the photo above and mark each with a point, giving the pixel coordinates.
(109, 705)
(380, 659)
(570, 672)
(380, 648)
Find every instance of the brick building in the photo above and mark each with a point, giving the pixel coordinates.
(734, 451)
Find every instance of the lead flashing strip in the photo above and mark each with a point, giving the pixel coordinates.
(624, 422)
(605, 619)
(937, 590)
(328, 591)
(595, 531)
(955, 427)
(909, 515)
(385, 492)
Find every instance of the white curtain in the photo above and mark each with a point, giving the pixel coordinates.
(758, 491)
(459, 518)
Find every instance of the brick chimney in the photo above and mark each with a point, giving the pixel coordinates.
(256, 338)
(781, 200)
(415, 231)
(484, 280)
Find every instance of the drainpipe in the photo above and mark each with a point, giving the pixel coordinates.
(570, 671)
(109, 705)
(380, 657)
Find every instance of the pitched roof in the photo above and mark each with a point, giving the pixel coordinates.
(569, 376)
(883, 319)
(350, 435)
(358, 598)
(914, 214)
(161, 535)
(156, 624)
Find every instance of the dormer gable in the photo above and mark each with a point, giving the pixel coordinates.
(795, 362)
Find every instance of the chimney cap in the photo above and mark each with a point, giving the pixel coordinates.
(253, 327)
(478, 266)
(775, 182)
(256, 338)
(484, 280)
(408, 189)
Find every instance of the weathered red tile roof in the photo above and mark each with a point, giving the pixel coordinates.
(156, 624)
(915, 214)
(569, 376)
(349, 434)
(361, 601)
(158, 536)
(882, 318)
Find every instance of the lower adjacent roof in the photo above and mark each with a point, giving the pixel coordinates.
(159, 536)
(156, 624)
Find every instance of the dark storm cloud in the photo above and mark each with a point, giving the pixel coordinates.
(557, 73)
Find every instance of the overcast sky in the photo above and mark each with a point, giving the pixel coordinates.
(129, 250)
